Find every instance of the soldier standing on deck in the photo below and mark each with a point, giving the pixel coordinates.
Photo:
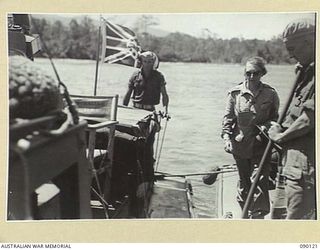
(147, 84)
(297, 133)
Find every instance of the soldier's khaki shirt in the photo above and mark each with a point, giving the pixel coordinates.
(299, 153)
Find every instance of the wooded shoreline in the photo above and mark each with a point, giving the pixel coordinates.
(78, 40)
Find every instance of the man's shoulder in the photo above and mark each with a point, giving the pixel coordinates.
(158, 73)
(135, 74)
(268, 87)
(159, 77)
(310, 70)
(268, 90)
(305, 70)
(236, 88)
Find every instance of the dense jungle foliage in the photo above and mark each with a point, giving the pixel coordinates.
(78, 39)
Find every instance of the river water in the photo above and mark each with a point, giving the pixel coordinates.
(197, 99)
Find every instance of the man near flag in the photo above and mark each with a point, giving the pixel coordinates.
(147, 84)
(120, 45)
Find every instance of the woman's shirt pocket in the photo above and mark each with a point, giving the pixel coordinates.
(266, 105)
(264, 111)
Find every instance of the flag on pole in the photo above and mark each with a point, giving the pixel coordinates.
(119, 44)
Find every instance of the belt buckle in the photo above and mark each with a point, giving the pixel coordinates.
(143, 106)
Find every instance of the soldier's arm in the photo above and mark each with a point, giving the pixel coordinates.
(228, 118)
(165, 97)
(276, 104)
(301, 126)
(127, 96)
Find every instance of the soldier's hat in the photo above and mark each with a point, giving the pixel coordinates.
(298, 28)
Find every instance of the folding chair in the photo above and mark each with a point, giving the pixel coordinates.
(101, 115)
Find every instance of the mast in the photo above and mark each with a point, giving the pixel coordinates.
(102, 30)
(97, 62)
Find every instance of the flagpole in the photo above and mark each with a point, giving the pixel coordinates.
(97, 62)
(104, 42)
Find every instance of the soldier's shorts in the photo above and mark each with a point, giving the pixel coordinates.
(301, 199)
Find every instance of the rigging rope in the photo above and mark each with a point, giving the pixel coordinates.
(196, 174)
(162, 139)
(158, 135)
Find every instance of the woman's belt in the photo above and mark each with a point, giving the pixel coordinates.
(144, 106)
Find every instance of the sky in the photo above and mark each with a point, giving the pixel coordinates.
(222, 25)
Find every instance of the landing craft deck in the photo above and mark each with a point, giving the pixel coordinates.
(228, 207)
(168, 198)
(171, 199)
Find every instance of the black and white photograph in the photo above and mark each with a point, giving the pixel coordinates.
(161, 116)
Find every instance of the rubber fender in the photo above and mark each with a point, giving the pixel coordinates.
(211, 178)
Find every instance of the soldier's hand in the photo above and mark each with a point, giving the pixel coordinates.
(166, 110)
(274, 131)
(263, 128)
(228, 146)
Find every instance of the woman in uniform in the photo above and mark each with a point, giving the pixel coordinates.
(251, 106)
